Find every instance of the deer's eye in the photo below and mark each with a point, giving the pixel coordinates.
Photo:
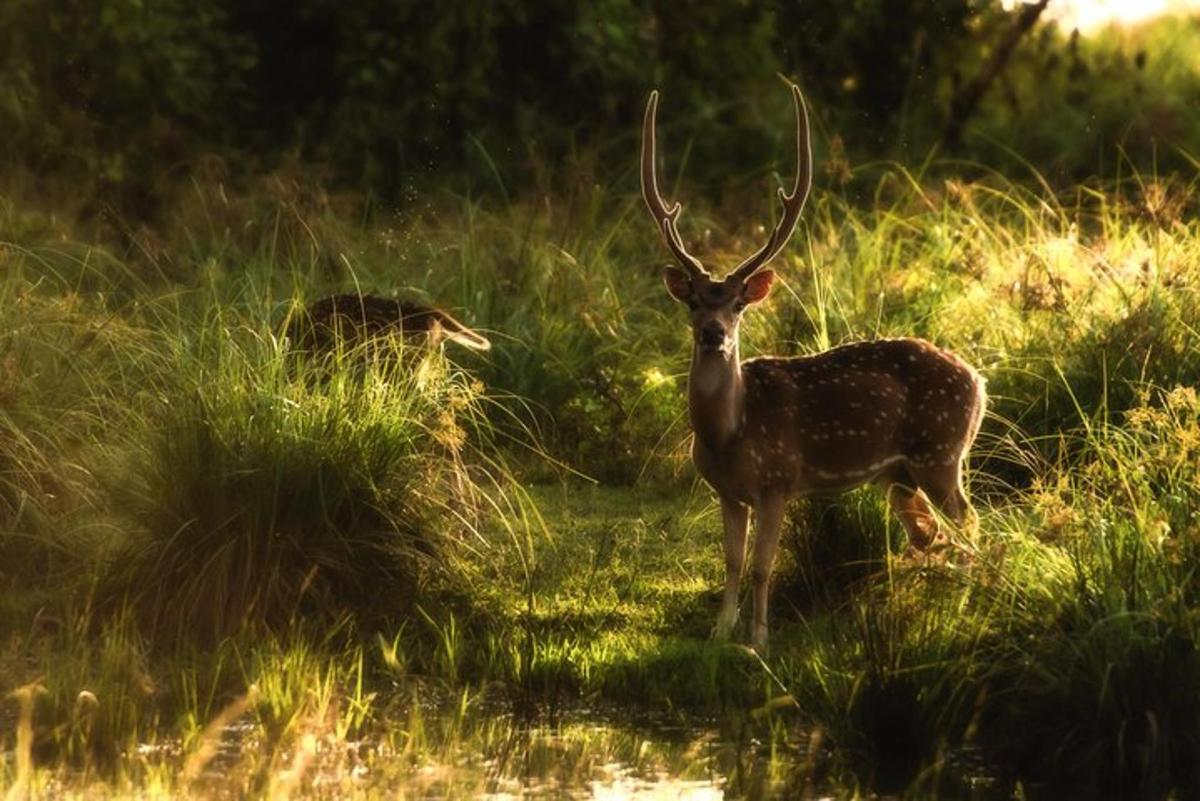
(739, 306)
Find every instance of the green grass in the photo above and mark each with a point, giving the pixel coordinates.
(392, 560)
(257, 490)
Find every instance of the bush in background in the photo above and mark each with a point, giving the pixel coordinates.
(118, 99)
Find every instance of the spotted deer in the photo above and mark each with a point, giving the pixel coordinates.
(351, 320)
(353, 323)
(899, 413)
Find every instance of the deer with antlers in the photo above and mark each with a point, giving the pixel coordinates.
(899, 413)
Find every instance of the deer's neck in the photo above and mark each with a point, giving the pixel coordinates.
(716, 395)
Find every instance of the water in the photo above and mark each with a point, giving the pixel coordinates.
(604, 763)
(585, 755)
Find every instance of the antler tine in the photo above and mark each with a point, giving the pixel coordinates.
(793, 204)
(664, 216)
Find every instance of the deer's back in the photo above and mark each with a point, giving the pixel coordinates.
(849, 412)
(353, 319)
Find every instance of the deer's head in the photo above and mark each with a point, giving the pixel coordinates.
(716, 305)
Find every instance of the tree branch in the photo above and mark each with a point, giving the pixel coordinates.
(966, 99)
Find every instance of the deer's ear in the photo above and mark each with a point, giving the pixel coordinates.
(758, 286)
(679, 283)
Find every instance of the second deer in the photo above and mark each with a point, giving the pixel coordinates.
(899, 413)
(350, 321)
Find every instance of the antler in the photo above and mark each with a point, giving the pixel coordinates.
(793, 204)
(664, 216)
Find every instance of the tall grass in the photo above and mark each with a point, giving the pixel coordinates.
(266, 489)
(193, 505)
(1065, 649)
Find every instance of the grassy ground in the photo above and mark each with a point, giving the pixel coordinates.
(225, 562)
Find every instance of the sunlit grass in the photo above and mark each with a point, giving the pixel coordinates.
(244, 569)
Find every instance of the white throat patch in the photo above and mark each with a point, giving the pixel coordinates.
(711, 373)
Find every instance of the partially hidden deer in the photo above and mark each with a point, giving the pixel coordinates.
(898, 413)
(349, 321)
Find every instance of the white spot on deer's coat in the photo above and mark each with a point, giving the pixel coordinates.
(831, 476)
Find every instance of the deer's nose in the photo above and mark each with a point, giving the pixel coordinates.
(712, 334)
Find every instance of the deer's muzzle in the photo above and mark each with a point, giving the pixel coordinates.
(711, 335)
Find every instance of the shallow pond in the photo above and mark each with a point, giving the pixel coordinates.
(581, 756)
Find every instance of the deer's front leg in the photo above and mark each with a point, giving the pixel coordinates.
(768, 517)
(736, 517)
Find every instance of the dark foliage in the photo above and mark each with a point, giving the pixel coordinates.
(395, 94)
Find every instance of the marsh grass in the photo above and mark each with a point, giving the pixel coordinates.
(262, 489)
(1054, 648)
(265, 572)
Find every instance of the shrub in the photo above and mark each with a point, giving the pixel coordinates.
(262, 489)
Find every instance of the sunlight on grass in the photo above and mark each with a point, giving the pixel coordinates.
(250, 571)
